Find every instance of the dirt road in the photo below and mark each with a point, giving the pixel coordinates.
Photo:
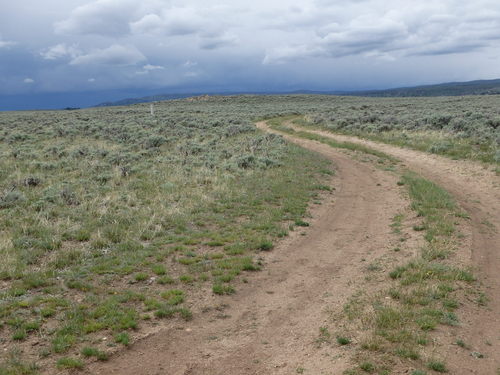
(477, 190)
(271, 325)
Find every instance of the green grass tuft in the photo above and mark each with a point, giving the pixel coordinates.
(123, 338)
(69, 363)
(223, 289)
(437, 366)
(341, 340)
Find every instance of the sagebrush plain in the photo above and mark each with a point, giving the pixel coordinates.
(115, 221)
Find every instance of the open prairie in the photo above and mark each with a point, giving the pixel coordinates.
(252, 235)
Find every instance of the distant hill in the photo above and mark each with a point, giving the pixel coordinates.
(480, 87)
(146, 99)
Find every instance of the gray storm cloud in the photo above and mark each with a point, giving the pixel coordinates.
(284, 43)
(378, 28)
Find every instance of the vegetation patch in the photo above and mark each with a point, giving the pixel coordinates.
(460, 128)
(105, 211)
(423, 291)
(112, 218)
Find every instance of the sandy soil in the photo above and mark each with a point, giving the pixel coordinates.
(272, 324)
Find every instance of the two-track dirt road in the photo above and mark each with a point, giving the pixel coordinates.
(270, 326)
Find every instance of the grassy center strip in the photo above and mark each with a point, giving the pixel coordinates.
(280, 125)
(423, 293)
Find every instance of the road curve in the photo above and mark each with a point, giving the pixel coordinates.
(476, 188)
(271, 325)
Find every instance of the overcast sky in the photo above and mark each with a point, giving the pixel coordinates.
(257, 45)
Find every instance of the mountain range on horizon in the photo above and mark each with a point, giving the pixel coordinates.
(47, 101)
(476, 87)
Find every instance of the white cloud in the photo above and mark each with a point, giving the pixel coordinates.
(204, 23)
(149, 67)
(91, 80)
(116, 55)
(152, 18)
(6, 43)
(101, 17)
(149, 24)
(59, 51)
(190, 64)
(119, 18)
(170, 21)
(29, 81)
